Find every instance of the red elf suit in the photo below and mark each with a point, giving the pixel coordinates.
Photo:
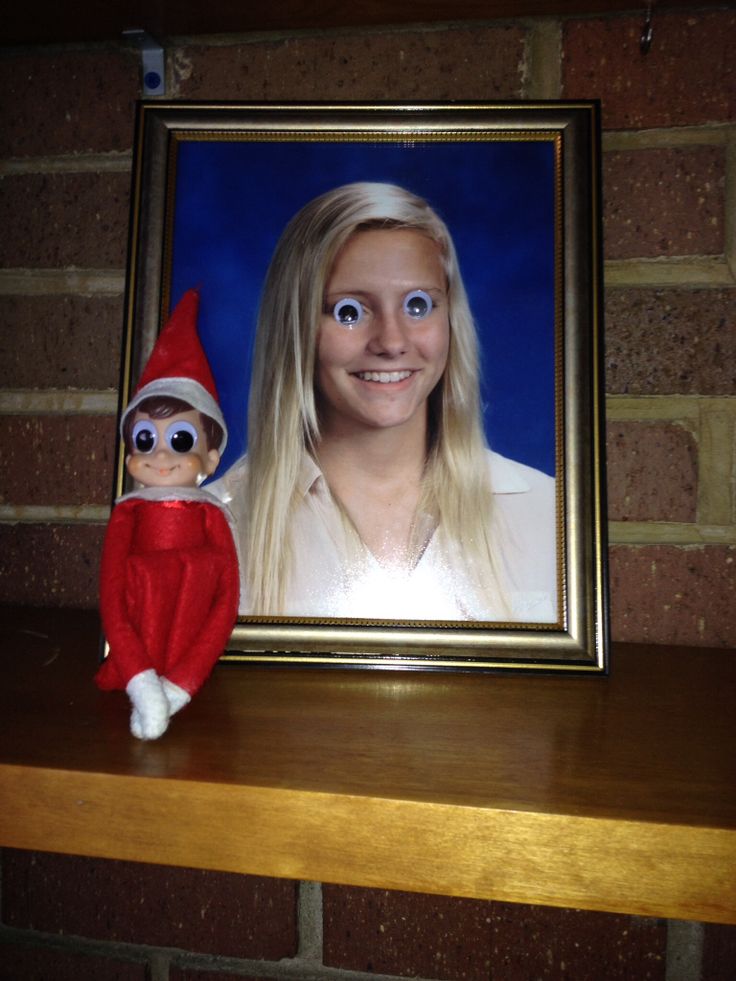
(169, 582)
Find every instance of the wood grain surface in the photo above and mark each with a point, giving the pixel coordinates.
(613, 793)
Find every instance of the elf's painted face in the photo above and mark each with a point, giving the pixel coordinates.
(170, 452)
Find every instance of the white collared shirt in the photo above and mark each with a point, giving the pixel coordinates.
(330, 581)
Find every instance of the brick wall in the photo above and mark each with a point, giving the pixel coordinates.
(91, 920)
(670, 231)
(670, 226)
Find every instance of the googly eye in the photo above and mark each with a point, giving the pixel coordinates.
(348, 312)
(145, 436)
(418, 304)
(181, 437)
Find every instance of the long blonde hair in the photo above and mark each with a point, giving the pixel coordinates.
(283, 420)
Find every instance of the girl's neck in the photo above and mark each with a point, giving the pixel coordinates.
(374, 455)
(377, 478)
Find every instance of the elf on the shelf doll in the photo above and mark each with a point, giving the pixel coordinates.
(169, 580)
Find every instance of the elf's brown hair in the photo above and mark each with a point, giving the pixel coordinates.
(164, 406)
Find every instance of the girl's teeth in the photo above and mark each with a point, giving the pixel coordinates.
(383, 376)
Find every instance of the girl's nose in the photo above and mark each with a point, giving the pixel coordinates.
(388, 334)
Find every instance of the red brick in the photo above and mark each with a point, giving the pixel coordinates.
(50, 564)
(406, 934)
(68, 101)
(557, 944)
(199, 911)
(664, 202)
(60, 341)
(441, 937)
(660, 342)
(65, 460)
(688, 77)
(57, 220)
(652, 472)
(22, 962)
(670, 594)
(719, 952)
(482, 63)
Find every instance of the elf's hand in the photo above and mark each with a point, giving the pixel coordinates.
(150, 716)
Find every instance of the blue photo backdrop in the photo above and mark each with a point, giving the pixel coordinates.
(233, 199)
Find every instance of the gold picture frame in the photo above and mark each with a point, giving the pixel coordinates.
(518, 185)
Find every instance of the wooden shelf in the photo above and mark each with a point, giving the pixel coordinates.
(601, 793)
(89, 20)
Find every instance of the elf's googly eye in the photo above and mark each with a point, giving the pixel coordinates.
(348, 312)
(418, 304)
(145, 437)
(181, 437)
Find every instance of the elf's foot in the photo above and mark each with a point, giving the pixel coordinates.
(149, 718)
(177, 696)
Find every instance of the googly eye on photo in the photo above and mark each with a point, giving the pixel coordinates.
(145, 437)
(348, 312)
(418, 304)
(181, 437)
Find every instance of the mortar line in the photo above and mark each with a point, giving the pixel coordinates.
(684, 958)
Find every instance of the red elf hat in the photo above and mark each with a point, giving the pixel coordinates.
(178, 367)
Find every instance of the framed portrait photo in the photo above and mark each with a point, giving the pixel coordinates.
(401, 308)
